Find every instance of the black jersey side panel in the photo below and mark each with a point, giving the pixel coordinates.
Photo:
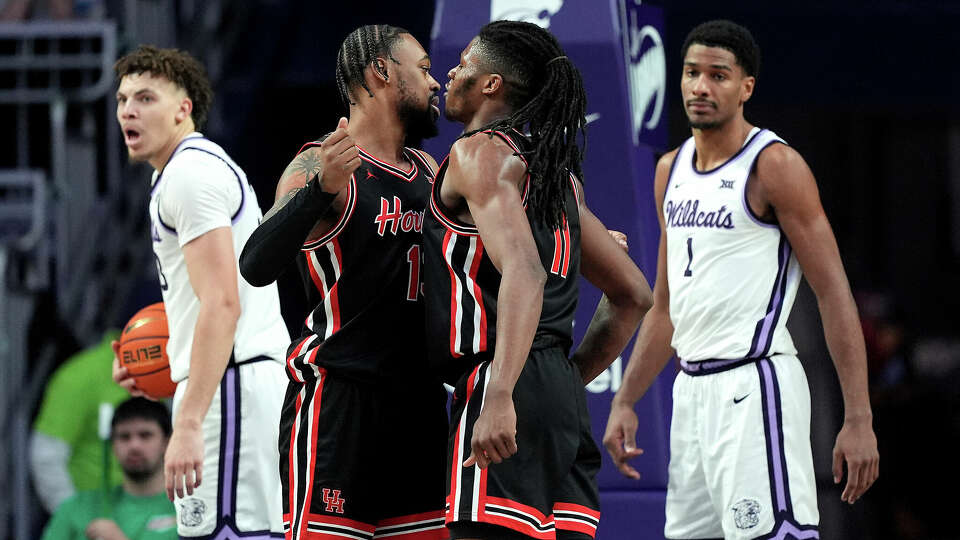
(463, 283)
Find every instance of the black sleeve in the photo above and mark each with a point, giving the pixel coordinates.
(277, 241)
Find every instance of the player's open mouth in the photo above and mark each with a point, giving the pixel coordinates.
(131, 136)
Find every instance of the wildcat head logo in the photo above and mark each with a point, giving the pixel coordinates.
(537, 12)
(191, 512)
(746, 513)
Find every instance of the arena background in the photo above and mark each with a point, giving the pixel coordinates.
(865, 91)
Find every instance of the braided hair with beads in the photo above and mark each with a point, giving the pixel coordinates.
(359, 49)
(545, 92)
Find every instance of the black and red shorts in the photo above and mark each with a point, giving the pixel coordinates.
(358, 459)
(548, 489)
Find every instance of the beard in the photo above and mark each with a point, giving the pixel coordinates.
(418, 120)
(142, 471)
(713, 124)
(456, 92)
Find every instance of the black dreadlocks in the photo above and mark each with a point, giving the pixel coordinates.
(358, 50)
(546, 93)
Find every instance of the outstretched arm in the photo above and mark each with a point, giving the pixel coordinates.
(626, 296)
(784, 181)
(313, 183)
(651, 352)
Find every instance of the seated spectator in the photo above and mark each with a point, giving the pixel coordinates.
(139, 509)
(66, 455)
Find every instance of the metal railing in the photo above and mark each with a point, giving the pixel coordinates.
(60, 230)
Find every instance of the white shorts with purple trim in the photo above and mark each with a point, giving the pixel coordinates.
(239, 494)
(740, 458)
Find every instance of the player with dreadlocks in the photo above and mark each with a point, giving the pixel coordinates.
(350, 211)
(506, 238)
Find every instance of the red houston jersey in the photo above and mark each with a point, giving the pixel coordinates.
(364, 276)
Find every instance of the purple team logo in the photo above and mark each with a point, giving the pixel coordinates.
(646, 68)
(537, 12)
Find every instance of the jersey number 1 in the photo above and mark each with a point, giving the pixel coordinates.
(687, 272)
(413, 279)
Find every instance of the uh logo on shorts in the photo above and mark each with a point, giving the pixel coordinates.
(333, 501)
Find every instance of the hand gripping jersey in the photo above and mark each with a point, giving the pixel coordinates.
(733, 278)
(463, 283)
(364, 278)
(201, 189)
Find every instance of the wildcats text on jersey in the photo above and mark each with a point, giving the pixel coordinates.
(688, 214)
(712, 234)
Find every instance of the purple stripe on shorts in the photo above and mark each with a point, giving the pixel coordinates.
(763, 335)
(774, 438)
(786, 527)
(228, 533)
(229, 440)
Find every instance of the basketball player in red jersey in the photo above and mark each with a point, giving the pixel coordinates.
(506, 237)
(352, 207)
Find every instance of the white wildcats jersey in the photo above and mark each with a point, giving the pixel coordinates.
(732, 278)
(201, 189)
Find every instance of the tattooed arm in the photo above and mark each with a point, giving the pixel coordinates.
(312, 185)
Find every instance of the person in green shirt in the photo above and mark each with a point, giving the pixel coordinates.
(66, 454)
(139, 508)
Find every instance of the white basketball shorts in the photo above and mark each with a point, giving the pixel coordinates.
(740, 458)
(240, 487)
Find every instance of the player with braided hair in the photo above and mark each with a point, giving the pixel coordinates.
(551, 107)
(349, 212)
(506, 237)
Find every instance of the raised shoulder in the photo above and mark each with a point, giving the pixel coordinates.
(480, 146)
(478, 163)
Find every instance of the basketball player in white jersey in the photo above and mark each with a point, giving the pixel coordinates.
(740, 217)
(227, 339)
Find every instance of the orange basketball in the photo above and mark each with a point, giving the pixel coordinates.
(143, 351)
